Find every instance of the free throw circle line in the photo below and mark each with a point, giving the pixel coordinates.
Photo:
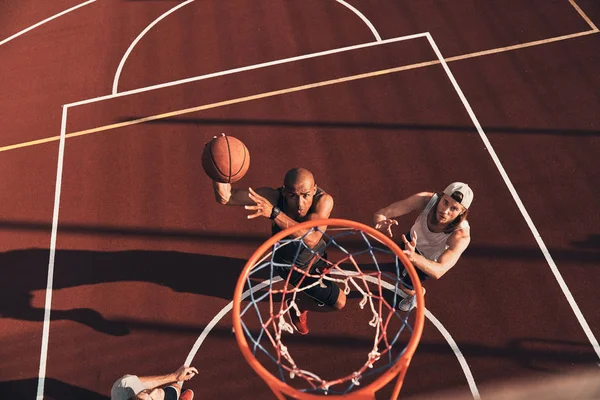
(439, 326)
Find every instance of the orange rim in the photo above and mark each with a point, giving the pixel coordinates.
(398, 369)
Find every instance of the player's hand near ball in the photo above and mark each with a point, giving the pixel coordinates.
(222, 192)
(262, 208)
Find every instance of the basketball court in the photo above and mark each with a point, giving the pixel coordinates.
(118, 259)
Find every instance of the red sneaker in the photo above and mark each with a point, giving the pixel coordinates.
(187, 394)
(300, 323)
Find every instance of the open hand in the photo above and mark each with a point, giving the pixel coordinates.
(263, 207)
(410, 247)
(185, 373)
(385, 226)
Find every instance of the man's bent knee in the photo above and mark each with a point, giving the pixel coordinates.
(341, 301)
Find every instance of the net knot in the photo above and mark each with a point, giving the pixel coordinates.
(373, 357)
(375, 320)
(363, 302)
(284, 326)
(283, 350)
(356, 379)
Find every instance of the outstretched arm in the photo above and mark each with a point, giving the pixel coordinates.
(384, 218)
(264, 208)
(183, 373)
(457, 244)
(230, 196)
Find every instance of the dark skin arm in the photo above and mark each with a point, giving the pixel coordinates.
(262, 201)
(227, 195)
(323, 207)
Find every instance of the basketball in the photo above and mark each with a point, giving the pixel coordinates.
(225, 159)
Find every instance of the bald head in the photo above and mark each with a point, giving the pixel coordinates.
(299, 189)
(298, 177)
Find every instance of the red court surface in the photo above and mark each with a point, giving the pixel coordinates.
(116, 257)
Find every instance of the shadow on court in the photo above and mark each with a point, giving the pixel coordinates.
(53, 389)
(182, 272)
(583, 252)
(361, 126)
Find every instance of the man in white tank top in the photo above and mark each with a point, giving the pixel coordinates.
(439, 236)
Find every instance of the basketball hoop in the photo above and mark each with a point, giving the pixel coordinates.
(352, 263)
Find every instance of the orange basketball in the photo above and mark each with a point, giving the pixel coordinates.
(225, 159)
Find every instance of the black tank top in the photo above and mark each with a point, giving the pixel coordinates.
(289, 253)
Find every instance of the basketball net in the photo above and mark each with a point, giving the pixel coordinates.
(261, 312)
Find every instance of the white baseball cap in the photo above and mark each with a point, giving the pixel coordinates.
(461, 192)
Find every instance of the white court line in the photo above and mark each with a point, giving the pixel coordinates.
(61, 151)
(138, 38)
(44, 21)
(156, 21)
(440, 327)
(219, 317)
(242, 69)
(517, 199)
(584, 16)
(48, 303)
(459, 355)
(332, 51)
(361, 16)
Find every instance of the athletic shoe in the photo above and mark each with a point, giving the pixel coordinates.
(300, 323)
(187, 395)
(407, 303)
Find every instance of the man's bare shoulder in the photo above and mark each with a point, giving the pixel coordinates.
(463, 232)
(324, 200)
(324, 196)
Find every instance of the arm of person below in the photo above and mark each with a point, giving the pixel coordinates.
(230, 196)
(182, 374)
(415, 202)
(457, 244)
(323, 209)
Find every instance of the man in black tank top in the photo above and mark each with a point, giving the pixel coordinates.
(298, 200)
(297, 253)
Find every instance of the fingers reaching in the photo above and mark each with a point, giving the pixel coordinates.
(385, 226)
(185, 373)
(263, 207)
(190, 373)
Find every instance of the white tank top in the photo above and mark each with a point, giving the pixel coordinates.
(431, 244)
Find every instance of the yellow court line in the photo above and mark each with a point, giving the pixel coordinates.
(31, 143)
(296, 89)
(253, 97)
(583, 15)
(519, 46)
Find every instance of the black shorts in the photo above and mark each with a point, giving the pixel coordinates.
(404, 277)
(327, 295)
(170, 393)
